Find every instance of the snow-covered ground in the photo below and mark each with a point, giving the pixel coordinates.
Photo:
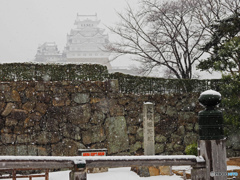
(120, 174)
(126, 174)
(112, 174)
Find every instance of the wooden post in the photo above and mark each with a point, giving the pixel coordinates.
(198, 173)
(14, 174)
(184, 174)
(78, 174)
(214, 153)
(171, 173)
(212, 142)
(47, 174)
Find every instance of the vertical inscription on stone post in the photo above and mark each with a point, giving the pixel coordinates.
(148, 128)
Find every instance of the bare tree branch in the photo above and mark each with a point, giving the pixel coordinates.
(168, 34)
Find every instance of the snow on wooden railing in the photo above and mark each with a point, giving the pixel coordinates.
(127, 161)
(78, 164)
(22, 163)
(39, 162)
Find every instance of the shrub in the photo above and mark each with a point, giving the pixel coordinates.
(191, 149)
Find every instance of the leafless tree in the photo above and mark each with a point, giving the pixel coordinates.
(211, 11)
(168, 34)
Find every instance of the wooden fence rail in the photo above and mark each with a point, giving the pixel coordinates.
(78, 164)
(23, 163)
(14, 175)
(158, 160)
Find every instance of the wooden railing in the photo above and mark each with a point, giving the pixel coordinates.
(128, 161)
(14, 175)
(78, 164)
(44, 163)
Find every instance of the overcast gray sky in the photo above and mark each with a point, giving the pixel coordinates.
(24, 24)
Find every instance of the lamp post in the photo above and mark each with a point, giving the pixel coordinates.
(211, 138)
(211, 119)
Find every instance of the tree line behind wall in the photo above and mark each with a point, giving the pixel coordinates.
(89, 72)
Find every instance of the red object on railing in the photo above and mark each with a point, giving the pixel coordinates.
(94, 154)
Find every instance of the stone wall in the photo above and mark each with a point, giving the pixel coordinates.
(57, 118)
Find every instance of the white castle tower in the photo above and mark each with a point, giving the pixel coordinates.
(48, 52)
(85, 43)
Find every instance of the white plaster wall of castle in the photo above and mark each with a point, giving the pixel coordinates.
(48, 52)
(85, 44)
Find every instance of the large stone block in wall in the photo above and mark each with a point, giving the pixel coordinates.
(30, 93)
(71, 131)
(40, 86)
(7, 150)
(190, 138)
(117, 137)
(139, 135)
(159, 148)
(102, 105)
(134, 147)
(43, 97)
(178, 147)
(19, 114)
(11, 122)
(161, 108)
(160, 138)
(189, 117)
(233, 140)
(97, 117)
(79, 114)
(4, 87)
(23, 138)
(31, 120)
(29, 106)
(34, 150)
(80, 98)
(115, 109)
(61, 100)
(21, 150)
(2, 104)
(171, 111)
(41, 107)
(94, 135)
(166, 127)
(67, 147)
(8, 109)
(8, 138)
(47, 137)
(12, 96)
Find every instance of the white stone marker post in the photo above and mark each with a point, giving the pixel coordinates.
(148, 129)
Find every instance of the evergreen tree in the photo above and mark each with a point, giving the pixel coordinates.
(224, 47)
